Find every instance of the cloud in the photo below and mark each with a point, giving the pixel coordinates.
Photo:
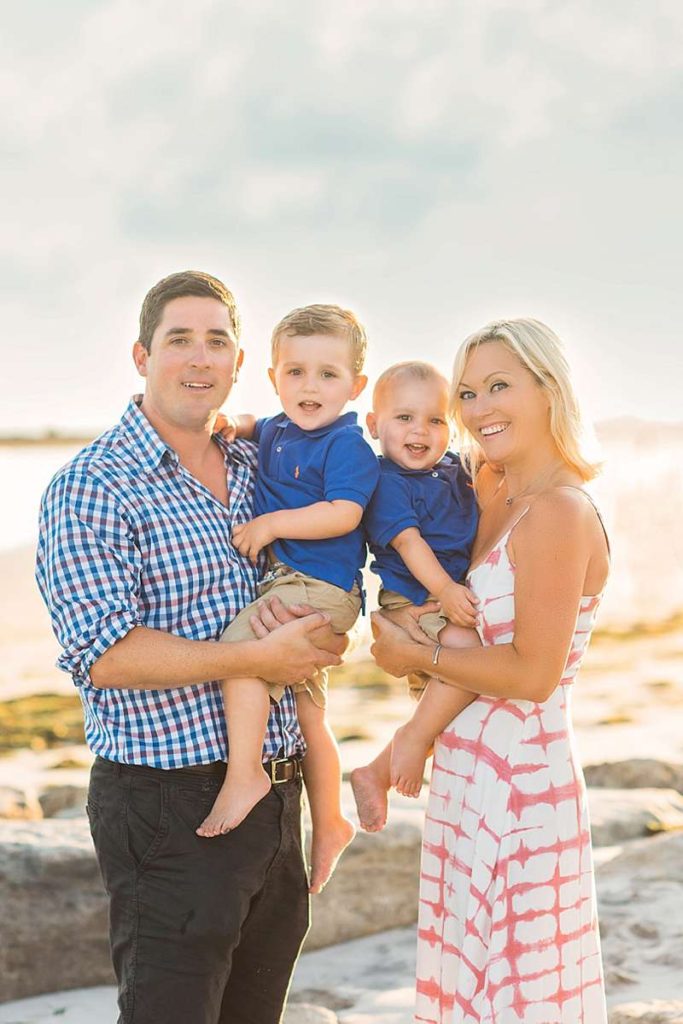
(428, 159)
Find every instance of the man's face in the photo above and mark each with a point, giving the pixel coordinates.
(192, 364)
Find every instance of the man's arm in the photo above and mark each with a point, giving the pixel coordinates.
(148, 659)
(89, 570)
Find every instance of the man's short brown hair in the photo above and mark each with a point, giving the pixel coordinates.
(322, 319)
(177, 286)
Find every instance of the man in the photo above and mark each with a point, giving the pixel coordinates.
(138, 570)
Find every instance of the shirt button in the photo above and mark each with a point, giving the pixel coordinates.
(435, 473)
(279, 448)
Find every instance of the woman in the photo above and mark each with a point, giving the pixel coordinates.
(507, 930)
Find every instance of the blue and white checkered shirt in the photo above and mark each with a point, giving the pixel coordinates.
(128, 537)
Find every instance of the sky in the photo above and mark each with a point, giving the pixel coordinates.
(432, 165)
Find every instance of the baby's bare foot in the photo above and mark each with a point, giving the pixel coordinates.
(327, 847)
(408, 755)
(370, 795)
(238, 795)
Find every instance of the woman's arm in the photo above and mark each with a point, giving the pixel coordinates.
(551, 550)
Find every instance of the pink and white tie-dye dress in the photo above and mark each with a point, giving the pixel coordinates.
(507, 930)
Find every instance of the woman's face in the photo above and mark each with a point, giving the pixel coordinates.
(502, 404)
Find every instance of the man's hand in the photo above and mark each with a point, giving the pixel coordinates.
(288, 654)
(272, 614)
(458, 604)
(408, 618)
(251, 538)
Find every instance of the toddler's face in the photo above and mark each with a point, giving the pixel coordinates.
(314, 378)
(410, 421)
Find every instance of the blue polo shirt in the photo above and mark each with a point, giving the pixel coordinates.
(440, 502)
(299, 467)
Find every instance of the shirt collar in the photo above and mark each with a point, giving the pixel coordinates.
(389, 466)
(349, 419)
(141, 440)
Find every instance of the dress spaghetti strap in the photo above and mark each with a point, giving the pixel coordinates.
(585, 493)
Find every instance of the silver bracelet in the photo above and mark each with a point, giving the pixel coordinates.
(436, 653)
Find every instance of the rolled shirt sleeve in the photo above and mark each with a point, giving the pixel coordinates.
(88, 570)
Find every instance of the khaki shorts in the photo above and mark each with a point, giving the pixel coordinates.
(431, 623)
(293, 587)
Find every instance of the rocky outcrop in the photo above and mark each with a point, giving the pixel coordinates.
(640, 904)
(617, 815)
(17, 804)
(657, 1012)
(53, 926)
(63, 801)
(637, 773)
(305, 1013)
(374, 888)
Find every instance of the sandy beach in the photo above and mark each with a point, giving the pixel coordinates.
(628, 707)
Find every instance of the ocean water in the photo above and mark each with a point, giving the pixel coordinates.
(26, 471)
(640, 493)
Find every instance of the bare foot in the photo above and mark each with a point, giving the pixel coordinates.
(238, 795)
(327, 847)
(371, 798)
(409, 751)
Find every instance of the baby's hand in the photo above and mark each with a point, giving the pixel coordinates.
(458, 604)
(250, 538)
(226, 426)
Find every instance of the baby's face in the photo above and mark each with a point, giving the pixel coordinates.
(314, 378)
(410, 421)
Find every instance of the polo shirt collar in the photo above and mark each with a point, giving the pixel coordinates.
(349, 419)
(389, 466)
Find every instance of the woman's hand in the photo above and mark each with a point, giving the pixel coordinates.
(393, 650)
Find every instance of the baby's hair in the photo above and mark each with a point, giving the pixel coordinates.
(322, 319)
(412, 368)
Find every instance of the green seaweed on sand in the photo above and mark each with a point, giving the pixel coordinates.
(40, 721)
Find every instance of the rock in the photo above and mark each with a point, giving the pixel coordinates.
(18, 804)
(617, 814)
(63, 801)
(306, 1013)
(637, 773)
(640, 906)
(658, 1011)
(53, 926)
(374, 888)
(320, 997)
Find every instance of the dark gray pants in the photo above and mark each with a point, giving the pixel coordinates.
(203, 931)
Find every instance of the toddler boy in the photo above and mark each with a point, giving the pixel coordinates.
(420, 526)
(315, 477)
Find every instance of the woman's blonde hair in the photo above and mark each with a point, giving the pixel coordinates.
(540, 350)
